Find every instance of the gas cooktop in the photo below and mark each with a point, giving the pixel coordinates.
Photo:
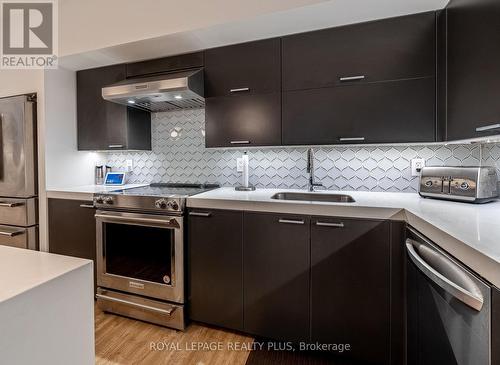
(167, 190)
(157, 197)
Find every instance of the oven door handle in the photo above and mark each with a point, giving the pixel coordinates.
(470, 296)
(169, 223)
(143, 306)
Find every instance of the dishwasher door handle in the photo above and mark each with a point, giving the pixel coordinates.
(471, 296)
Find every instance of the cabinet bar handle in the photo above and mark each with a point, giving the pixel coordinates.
(351, 139)
(352, 78)
(488, 128)
(291, 221)
(87, 206)
(10, 205)
(200, 214)
(115, 146)
(239, 90)
(334, 225)
(240, 142)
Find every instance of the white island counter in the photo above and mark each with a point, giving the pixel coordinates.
(46, 308)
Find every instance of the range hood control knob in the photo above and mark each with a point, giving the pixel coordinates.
(161, 204)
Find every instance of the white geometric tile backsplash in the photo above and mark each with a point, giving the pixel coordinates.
(179, 155)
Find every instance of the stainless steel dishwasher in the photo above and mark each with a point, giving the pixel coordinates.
(449, 308)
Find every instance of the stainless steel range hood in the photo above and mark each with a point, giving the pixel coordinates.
(180, 90)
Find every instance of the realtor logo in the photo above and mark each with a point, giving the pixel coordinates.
(29, 34)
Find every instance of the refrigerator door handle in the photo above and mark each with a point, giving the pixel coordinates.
(470, 295)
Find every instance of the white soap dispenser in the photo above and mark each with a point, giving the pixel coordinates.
(245, 186)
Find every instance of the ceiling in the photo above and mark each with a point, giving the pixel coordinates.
(266, 24)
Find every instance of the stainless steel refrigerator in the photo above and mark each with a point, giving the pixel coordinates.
(18, 172)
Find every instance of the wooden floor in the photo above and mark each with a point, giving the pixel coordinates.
(121, 340)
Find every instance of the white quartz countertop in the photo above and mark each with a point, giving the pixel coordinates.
(470, 232)
(22, 270)
(85, 192)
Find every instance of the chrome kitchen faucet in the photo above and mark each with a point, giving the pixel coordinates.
(310, 170)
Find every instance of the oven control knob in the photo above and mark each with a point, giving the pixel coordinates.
(161, 204)
(464, 186)
(99, 200)
(108, 200)
(173, 205)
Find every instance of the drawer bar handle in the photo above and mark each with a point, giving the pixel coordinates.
(240, 142)
(143, 306)
(200, 214)
(351, 139)
(115, 146)
(352, 78)
(87, 206)
(291, 221)
(12, 234)
(334, 225)
(239, 90)
(488, 128)
(11, 205)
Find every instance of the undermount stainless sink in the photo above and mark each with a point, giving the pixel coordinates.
(314, 197)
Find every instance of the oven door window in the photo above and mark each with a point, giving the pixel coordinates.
(139, 252)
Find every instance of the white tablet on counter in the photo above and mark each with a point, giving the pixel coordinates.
(115, 178)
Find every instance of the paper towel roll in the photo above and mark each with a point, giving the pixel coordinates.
(245, 170)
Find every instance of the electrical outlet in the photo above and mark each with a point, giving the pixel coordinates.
(416, 166)
(239, 164)
(129, 165)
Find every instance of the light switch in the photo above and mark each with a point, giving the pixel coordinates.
(129, 165)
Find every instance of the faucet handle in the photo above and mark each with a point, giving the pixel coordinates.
(315, 185)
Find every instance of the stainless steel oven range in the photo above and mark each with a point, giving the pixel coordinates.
(140, 252)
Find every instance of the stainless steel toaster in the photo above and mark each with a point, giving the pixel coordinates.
(466, 184)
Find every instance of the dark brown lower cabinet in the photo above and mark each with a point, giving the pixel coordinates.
(72, 229)
(214, 267)
(351, 286)
(276, 265)
(495, 325)
(298, 278)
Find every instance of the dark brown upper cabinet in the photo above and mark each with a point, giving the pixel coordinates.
(103, 125)
(241, 120)
(388, 49)
(243, 95)
(473, 68)
(396, 111)
(372, 82)
(247, 68)
(165, 64)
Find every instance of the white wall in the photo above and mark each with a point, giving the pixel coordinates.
(64, 165)
(16, 82)
(94, 24)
